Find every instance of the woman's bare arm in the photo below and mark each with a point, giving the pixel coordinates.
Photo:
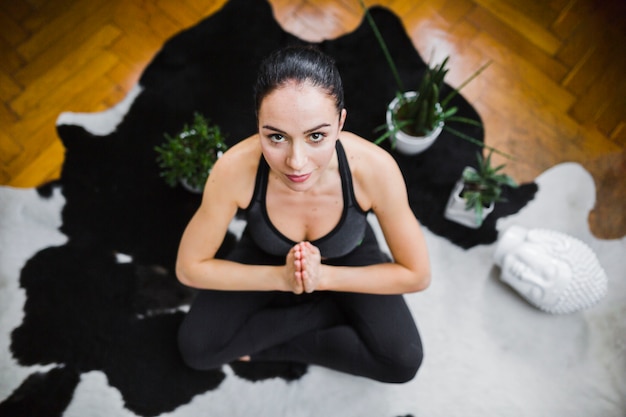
(382, 186)
(229, 186)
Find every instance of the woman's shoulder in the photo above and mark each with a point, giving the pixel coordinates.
(364, 154)
(243, 154)
(234, 173)
(372, 168)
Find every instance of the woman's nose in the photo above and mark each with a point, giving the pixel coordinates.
(297, 157)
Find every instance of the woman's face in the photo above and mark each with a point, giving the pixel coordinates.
(298, 127)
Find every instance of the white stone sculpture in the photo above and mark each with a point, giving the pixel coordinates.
(553, 271)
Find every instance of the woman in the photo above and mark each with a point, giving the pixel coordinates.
(307, 282)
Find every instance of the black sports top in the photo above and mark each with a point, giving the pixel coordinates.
(340, 241)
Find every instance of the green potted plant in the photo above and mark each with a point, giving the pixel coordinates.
(415, 119)
(476, 192)
(187, 157)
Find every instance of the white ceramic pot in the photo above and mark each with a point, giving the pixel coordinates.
(188, 187)
(405, 143)
(456, 211)
(197, 190)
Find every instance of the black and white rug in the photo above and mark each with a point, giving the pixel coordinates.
(89, 304)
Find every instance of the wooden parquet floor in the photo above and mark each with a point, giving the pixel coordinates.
(553, 93)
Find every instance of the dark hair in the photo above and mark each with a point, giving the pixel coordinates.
(300, 64)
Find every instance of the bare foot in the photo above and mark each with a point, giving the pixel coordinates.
(245, 358)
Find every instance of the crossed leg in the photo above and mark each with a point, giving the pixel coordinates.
(362, 334)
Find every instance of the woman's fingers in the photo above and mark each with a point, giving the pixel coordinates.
(310, 266)
(303, 267)
(293, 268)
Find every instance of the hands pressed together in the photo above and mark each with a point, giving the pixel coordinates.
(302, 268)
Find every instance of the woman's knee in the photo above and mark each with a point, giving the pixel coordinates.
(188, 350)
(405, 362)
(196, 352)
(405, 372)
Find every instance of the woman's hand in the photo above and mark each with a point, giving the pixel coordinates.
(293, 270)
(308, 261)
(302, 268)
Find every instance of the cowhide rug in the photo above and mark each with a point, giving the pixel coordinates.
(89, 304)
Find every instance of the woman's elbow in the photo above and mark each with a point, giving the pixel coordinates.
(183, 276)
(420, 282)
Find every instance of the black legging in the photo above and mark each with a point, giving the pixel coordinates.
(362, 334)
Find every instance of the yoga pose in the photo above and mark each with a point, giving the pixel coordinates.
(307, 281)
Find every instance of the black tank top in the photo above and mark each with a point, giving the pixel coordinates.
(340, 241)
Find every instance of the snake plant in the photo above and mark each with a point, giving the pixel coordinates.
(421, 114)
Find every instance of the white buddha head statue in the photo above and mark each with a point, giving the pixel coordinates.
(553, 271)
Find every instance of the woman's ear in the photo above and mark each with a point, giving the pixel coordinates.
(342, 118)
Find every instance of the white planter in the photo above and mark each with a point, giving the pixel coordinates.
(456, 211)
(189, 188)
(198, 190)
(407, 144)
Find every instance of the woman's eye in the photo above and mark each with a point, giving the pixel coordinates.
(277, 138)
(317, 137)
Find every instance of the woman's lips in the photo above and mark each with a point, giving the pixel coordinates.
(298, 178)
